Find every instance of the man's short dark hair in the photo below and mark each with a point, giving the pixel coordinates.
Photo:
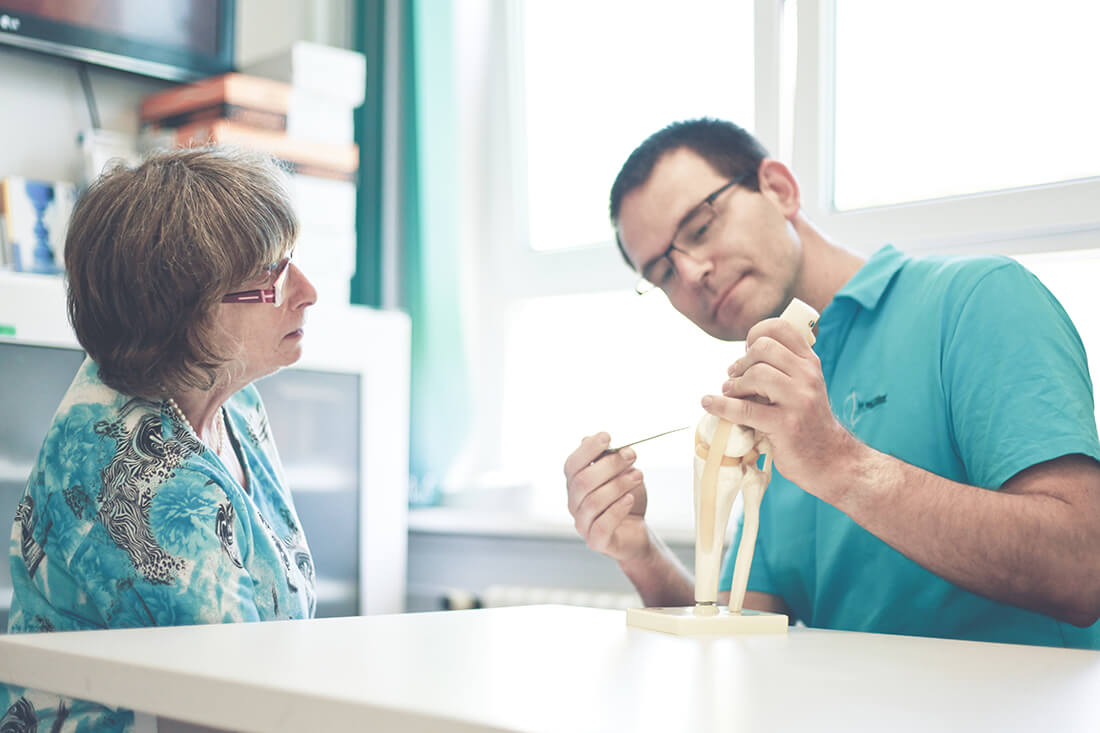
(729, 149)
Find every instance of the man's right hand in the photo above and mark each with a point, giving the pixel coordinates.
(607, 499)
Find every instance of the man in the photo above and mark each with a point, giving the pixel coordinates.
(935, 452)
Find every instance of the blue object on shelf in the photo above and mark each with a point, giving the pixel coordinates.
(42, 260)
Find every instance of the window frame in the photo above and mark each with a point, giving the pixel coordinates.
(504, 270)
(599, 267)
(1041, 218)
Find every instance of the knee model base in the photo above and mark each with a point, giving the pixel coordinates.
(683, 621)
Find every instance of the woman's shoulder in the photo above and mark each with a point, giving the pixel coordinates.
(87, 394)
(91, 442)
(84, 419)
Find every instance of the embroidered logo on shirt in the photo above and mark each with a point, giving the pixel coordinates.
(855, 407)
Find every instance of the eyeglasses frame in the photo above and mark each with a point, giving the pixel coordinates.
(274, 294)
(645, 285)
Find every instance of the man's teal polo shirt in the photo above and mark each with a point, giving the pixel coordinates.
(966, 367)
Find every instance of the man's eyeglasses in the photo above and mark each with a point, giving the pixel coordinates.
(277, 274)
(694, 232)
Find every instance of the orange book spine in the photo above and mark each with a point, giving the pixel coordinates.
(239, 89)
(339, 159)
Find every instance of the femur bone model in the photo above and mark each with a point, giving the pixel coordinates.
(726, 458)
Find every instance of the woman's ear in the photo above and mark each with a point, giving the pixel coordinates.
(780, 186)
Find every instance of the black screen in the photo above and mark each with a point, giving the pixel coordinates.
(171, 39)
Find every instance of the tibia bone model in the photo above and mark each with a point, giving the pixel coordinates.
(722, 453)
(725, 463)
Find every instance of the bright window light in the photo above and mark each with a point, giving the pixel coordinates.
(1071, 276)
(627, 364)
(602, 76)
(945, 98)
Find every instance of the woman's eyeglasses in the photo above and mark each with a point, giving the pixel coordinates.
(272, 294)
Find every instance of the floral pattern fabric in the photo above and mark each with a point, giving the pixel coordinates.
(129, 520)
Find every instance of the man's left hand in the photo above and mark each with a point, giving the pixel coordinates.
(778, 389)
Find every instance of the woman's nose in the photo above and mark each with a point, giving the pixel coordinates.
(302, 291)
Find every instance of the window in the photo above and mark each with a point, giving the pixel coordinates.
(1071, 276)
(630, 365)
(562, 348)
(963, 97)
(566, 348)
(948, 126)
(599, 77)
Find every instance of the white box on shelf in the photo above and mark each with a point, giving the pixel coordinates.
(32, 308)
(319, 117)
(101, 148)
(332, 289)
(335, 72)
(324, 205)
(323, 255)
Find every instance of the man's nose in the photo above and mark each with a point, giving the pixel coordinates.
(692, 267)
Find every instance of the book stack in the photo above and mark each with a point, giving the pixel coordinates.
(287, 117)
(326, 85)
(34, 220)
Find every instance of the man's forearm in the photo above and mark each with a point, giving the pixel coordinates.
(659, 576)
(1021, 545)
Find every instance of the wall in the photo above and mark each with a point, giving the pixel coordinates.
(43, 111)
(265, 27)
(42, 106)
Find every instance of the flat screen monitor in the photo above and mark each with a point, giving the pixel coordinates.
(168, 39)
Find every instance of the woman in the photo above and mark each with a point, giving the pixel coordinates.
(158, 496)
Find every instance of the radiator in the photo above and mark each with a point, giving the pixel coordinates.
(527, 595)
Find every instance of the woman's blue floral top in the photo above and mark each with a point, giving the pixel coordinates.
(129, 520)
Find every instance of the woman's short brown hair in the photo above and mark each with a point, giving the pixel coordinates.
(152, 249)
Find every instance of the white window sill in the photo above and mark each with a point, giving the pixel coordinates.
(513, 523)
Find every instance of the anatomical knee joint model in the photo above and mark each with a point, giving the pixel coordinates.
(726, 458)
(725, 464)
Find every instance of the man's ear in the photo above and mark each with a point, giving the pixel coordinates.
(778, 183)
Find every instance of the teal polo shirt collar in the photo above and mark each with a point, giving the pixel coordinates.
(863, 292)
(868, 284)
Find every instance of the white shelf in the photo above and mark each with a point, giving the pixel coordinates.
(489, 522)
(34, 306)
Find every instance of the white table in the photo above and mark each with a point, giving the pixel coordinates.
(557, 668)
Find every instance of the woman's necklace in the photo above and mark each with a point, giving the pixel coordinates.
(219, 424)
